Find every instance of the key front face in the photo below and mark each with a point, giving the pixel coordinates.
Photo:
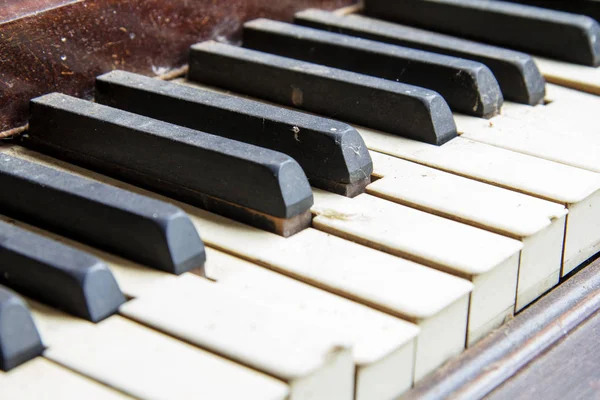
(516, 72)
(331, 153)
(555, 34)
(148, 231)
(398, 108)
(19, 338)
(468, 87)
(57, 274)
(257, 185)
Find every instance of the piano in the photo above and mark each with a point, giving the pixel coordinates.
(298, 200)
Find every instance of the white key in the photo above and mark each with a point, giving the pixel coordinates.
(538, 224)
(489, 260)
(577, 189)
(287, 349)
(309, 357)
(579, 77)
(431, 299)
(144, 363)
(41, 379)
(578, 147)
(383, 346)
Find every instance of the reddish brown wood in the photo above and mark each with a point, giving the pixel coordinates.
(66, 46)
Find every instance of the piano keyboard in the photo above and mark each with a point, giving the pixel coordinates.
(332, 210)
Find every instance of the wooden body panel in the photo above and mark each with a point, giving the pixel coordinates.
(66, 46)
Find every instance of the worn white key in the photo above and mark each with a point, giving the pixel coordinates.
(538, 224)
(579, 77)
(42, 379)
(309, 357)
(144, 363)
(577, 189)
(489, 260)
(305, 360)
(431, 299)
(383, 346)
(578, 147)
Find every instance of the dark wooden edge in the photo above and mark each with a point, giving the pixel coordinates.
(482, 368)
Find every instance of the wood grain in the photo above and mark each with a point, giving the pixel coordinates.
(64, 47)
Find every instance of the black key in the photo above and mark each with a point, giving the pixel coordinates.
(584, 7)
(564, 36)
(145, 230)
(56, 274)
(397, 108)
(19, 338)
(468, 87)
(516, 72)
(332, 154)
(256, 185)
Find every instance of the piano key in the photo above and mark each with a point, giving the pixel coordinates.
(143, 363)
(256, 185)
(382, 345)
(431, 299)
(398, 108)
(577, 189)
(489, 260)
(516, 73)
(306, 356)
(43, 379)
(555, 34)
(392, 352)
(575, 76)
(467, 86)
(19, 338)
(332, 154)
(57, 274)
(551, 140)
(538, 224)
(589, 8)
(151, 232)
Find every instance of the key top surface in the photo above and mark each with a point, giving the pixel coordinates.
(516, 73)
(143, 229)
(257, 185)
(567, 37)
(585, 7)
(19, 338)
(331, 153)
(56, 274)
(398, 108)
(467, 86)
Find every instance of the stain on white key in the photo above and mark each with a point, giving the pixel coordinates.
(577, 189)
(308, 357)
(489, 260)
(144, 363)
(383, 346)
(538, 224)
(41, 378)
(431, 299)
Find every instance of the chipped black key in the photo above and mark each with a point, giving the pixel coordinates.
(516, 72)
(332, 154)
(19, 337)
(467, 86)
(584, 7)
(145, 230)
(56, 274)
(255, 185)
(564, 36)
(393, 107)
